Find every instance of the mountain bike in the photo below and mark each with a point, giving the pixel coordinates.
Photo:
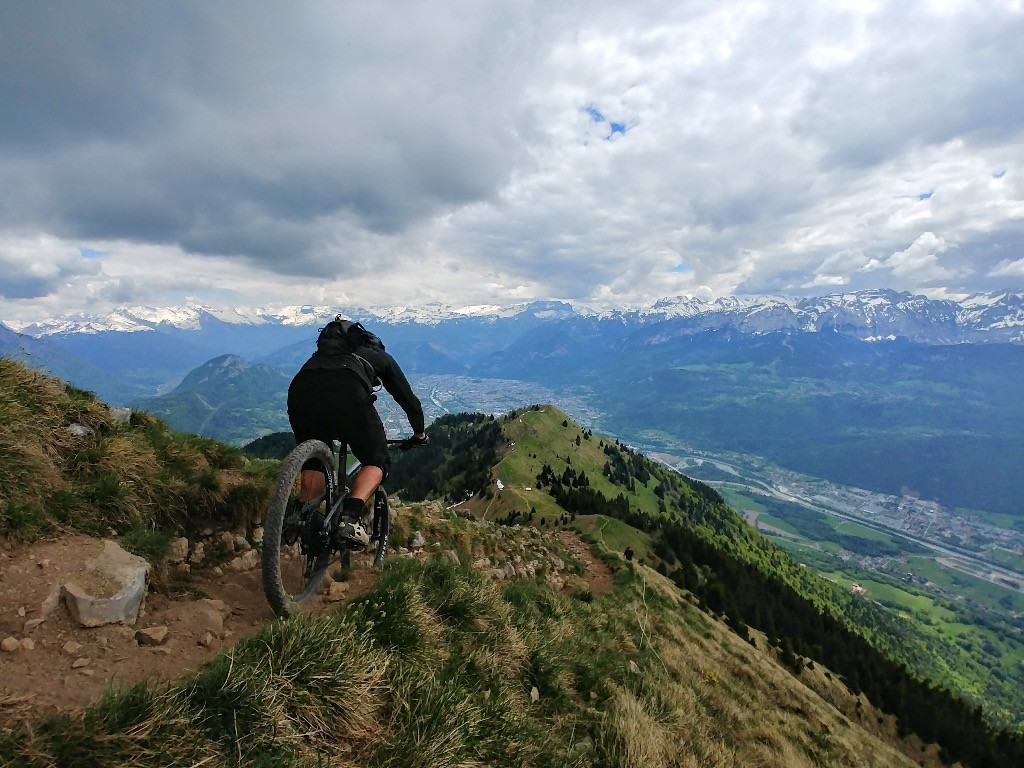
(301, 540)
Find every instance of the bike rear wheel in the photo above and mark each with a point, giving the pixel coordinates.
(296, 552)
(381, 524)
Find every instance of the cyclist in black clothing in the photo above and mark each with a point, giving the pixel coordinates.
(343, 373)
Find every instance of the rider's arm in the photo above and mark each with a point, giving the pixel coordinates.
(397, 385)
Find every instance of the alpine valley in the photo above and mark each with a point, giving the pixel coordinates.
(886, 391)
(876, 437)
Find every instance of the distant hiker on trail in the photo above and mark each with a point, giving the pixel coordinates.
(348, 365)
(628, 554)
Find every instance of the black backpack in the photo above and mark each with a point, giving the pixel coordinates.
(345, 337)
(338, 341)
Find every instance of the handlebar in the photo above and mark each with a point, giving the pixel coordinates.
(408, 443)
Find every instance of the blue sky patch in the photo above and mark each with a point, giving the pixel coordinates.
(617, 128)
(89, 253)
(595, 114)
(680, 268)
(998, 174)
(925, 195)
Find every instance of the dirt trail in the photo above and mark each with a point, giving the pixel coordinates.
(597, 575)
(60, 665)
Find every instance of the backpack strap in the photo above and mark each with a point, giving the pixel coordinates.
(336, 350)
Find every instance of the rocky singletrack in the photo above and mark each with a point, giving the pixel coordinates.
(51, 663)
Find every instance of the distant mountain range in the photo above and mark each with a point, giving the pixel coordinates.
(867, 315)
(890, 391)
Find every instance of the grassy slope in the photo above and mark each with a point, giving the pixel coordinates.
(942, 657)
(438, 666)
(68, 461)
(444, 661)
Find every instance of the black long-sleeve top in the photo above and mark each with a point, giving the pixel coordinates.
(385, 368)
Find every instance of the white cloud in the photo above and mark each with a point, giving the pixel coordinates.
(320, 150)
(920, 262)
(31, 267)
(1007, 268)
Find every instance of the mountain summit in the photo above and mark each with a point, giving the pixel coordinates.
(871, 314)
(225, 396)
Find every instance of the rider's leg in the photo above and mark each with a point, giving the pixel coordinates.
(312, 485)
(366, 481)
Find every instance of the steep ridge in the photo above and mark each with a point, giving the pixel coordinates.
(497, 645)
(554, 472)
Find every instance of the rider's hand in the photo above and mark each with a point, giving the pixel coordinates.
(414, 442)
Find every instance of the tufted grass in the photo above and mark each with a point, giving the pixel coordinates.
(68, 462)
(438, 666)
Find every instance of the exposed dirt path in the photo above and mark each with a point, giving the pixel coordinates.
(597, 575)
(61, 665)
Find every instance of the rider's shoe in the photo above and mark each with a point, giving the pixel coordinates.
(353, 530)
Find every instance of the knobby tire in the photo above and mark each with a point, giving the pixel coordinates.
(381, 524)
(282, 601)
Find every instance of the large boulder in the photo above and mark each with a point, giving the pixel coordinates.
(108, 589)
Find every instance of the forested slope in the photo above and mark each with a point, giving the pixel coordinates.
(552, 471)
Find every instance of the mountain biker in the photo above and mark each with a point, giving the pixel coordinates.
(344, 371)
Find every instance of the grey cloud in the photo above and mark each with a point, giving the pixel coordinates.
(922, 76)
(235, 127)
(29, 270)
(764, 150)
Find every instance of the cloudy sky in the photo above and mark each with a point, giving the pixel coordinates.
(350, 153)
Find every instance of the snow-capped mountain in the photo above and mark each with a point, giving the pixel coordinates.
(866, 315)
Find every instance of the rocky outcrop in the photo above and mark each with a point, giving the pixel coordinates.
(108, 589)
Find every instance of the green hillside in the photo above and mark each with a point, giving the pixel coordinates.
(552, 472)
(226, 398)
(442, 663)
(69, 461)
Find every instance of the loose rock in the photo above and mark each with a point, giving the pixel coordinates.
(210, 617)
(79, 663)
(337, 591)
(151, 636)
(10, 644)
(120, 602)
(51, 602)
(244, 562)
(179, 551)
(71, 648)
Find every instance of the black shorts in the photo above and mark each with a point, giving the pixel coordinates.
(334, 405)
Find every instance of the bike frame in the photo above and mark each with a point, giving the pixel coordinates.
(338, 491)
